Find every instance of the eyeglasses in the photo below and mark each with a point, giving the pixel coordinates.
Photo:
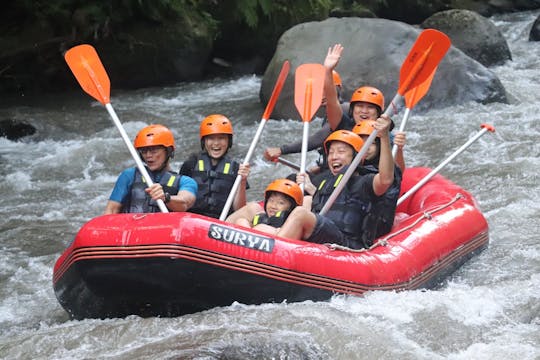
(152, 150)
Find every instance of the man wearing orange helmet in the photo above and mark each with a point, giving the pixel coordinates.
(213, 171)
(343, 223)
(367, 103)
(280, 198)
(155, 144)
(380, 218)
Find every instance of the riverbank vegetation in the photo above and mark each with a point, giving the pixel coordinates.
(153, 42)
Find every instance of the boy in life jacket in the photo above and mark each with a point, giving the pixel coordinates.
(367, 103)
(343, 223)
(155, 144)
(380, 217)
(280, 198)
(214, 172)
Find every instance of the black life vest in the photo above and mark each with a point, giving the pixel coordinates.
(214, 184)
(139, 201)
(276, 221)
(380, 219)
(348, 210)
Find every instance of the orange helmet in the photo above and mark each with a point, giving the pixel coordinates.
(364, 127)
(286, 187)
(215, 124)
(153, 135)
(368, 94)
(336, 78)
(345, 136)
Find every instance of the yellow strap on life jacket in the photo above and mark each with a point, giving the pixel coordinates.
(227, 168)
(340, 176)
(201, 165)
(256, 219)
(321, 184)
(171, 181)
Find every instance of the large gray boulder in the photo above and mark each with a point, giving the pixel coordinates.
(473, 34)
(374, 50)
(534, 35)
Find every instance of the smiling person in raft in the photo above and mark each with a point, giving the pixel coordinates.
(280, 198)
(214, 172)
(155, 145)
(367, 103)
(343, 224)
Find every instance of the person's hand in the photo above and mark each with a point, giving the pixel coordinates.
(155, 192)
(333, 56)
(400, 139)
(272, 153)
(382, 125)
(243, 171)
(303, 178)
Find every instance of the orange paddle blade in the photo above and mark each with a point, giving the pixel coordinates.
(415, 94)
(85, 64)
(424, 57)
(308, 89)
(277, 89)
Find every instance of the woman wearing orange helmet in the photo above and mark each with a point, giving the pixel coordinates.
(214, 172)
(342, 224)
(155, 144)
(280, 198)
(367, 103)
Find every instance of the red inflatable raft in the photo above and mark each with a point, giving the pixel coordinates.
(178, 263)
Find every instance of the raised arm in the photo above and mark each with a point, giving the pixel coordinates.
(384, 179)
(240, 198)
(333, 107)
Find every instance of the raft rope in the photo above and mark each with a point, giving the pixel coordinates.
(384, 241)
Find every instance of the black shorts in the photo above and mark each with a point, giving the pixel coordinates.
(325, 231)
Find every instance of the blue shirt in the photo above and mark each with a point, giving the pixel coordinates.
(124, 182)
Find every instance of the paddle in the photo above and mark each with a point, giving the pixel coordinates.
(266, 115)
(484, 128)
(288, 163)
(85, 64)
(411, 99)
(308, 94)
(421, 62)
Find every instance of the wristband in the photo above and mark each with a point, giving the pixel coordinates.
(167, 197)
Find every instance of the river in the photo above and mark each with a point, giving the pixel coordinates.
(54, 181)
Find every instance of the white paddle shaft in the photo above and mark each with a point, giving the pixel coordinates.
(426, 178)
(238, 179)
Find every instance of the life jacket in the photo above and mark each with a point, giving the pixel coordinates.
(139, 201)
(380, 217)
(214, 184)
(348, 210)
(276, 221)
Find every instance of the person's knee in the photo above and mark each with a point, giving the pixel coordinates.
(299, 213)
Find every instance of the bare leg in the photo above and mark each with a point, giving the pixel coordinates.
(247, 211)
(243, 222)
(299, 224)
(266, 228)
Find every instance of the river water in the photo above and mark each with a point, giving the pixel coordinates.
(54, 181)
